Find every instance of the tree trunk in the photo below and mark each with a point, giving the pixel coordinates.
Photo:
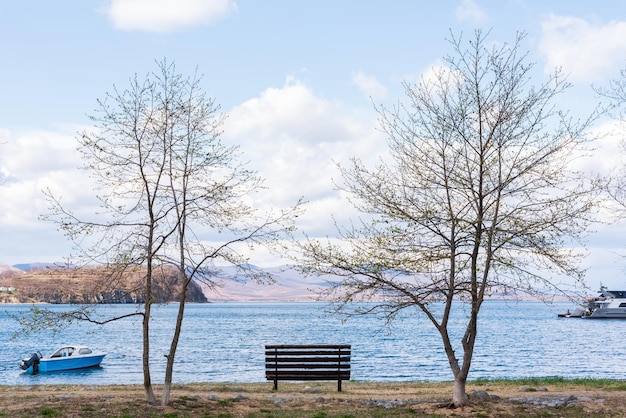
(167, 388)
(459, 397)
(147, 382)
(169, 369)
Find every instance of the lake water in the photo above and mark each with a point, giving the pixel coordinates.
(224, 342)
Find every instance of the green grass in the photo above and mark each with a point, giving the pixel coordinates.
(606, 384)
(47, 412)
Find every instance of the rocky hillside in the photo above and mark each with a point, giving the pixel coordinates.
(85, 286)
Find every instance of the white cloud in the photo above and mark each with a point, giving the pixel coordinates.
(435, 72)
(587, 51)
(370, 86)
(35, 161)
(30, 154)
(469, 11)
(609, 149)
(294, 138)
(167, 15)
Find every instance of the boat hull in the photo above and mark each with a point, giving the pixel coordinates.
(608, 313)
(68, 363)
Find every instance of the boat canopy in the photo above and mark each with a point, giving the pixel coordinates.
(617, 294)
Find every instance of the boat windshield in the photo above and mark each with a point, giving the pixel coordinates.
(63, 352)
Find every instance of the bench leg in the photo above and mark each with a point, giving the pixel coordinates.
(276, 384)
(339, 385)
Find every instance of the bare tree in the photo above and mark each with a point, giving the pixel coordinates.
(207, 188)
(124, 157)
(616, 91)
(165, 179)
(477, 195)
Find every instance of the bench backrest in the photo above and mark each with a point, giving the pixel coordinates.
(308, 362)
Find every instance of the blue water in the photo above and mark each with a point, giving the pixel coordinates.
(223, 342)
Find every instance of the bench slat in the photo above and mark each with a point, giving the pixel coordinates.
(308, 346)
(307, 366)
(306, 353)
(334, 359)
(307, 376)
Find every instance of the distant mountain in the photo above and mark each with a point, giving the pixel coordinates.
(46, 282)
(36, 266)
(8, 271)
(289, 286)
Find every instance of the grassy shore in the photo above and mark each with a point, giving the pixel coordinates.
(489, 398)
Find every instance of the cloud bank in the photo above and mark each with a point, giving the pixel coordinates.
(586, 50)
(166, 15)
(295, 139)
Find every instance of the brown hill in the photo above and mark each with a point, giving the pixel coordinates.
(90, 285)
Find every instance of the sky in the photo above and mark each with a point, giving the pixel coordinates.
(297, 79)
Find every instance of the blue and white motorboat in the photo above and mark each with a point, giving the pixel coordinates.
(68, 357)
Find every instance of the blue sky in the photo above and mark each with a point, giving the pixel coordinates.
(297, 79)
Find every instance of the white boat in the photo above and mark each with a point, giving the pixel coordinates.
(68, 357)
(610, 304)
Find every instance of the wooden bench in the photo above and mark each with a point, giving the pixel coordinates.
(307, 362)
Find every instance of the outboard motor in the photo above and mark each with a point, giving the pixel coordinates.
(32, 361)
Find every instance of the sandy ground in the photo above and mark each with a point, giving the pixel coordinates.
(310, 399)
